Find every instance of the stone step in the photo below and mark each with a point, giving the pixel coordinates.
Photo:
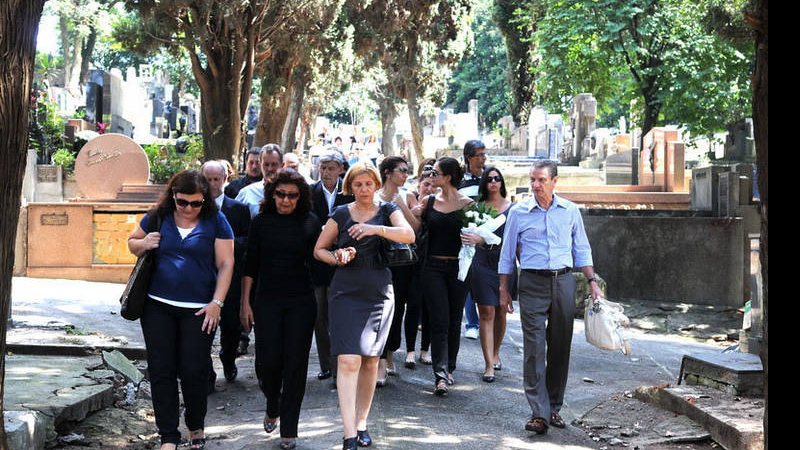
(736, 423)
(52, 390)
(736, 373)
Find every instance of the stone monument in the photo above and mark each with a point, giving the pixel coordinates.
(107, 162)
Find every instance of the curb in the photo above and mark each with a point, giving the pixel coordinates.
(735, 423)
(139, 353)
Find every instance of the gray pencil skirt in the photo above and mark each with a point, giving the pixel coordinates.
(360, 311)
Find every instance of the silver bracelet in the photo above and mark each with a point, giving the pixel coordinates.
(218, 303)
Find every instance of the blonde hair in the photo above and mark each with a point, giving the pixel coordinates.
(357, 169)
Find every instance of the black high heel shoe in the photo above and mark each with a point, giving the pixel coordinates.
(350, 443)
(364, 439)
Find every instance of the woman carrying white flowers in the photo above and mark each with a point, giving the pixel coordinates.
(483, 280)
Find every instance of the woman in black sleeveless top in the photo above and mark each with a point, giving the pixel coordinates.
(444, 293)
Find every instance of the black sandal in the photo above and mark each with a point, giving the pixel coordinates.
(197, 443)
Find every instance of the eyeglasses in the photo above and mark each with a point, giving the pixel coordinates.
(183, 203)
(290, 195)
(495, 179)
(401, 169)
(433, 173)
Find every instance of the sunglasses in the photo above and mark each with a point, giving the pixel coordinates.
(495, 178)
(290, 195)
(183, 203)
(401, 169)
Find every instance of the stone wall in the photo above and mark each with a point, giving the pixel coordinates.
(111, 231)
(668, 256)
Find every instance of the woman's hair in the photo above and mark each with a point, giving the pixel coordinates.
(450, 166)
(187, 182)
(425, 166)
(287, 176)
(483, 188)
(359, 168)
(388, 165)
(469, 150)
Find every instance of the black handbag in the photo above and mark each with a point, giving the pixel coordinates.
(135, 294)
(397, 254)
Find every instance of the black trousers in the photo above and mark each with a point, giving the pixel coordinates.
(405, 305)
(283, 329)
(321, 332)
(444, 298)
(230, 328)
(176, 348)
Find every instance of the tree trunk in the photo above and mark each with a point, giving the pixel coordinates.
(306, 132)
(388, 130)
(652, 108)
(221, 118)
(276, 95)
(416, 122)
(288, 136)
(86, 56)
(71, 49)
(19, 24)
(760, 23)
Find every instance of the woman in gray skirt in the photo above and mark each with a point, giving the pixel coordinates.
(361, 302)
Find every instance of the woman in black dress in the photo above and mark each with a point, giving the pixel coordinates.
(279, 253)
(483, 281)
(361, 302)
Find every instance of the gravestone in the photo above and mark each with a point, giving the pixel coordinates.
(107, 162)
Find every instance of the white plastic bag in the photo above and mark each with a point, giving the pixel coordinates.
(603, 322)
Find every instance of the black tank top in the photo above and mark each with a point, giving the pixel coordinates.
(444, 238)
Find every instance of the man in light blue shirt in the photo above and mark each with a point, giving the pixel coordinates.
(547, 234)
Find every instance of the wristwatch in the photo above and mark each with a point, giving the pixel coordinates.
(218, 303)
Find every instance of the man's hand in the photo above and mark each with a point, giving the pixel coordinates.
(505, 300)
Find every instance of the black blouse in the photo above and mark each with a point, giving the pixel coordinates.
(280, 249)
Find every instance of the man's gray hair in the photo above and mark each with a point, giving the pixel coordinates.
(273, 148)
(214, 163)
(549, 164)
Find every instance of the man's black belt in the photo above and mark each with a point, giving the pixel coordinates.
(549, 273)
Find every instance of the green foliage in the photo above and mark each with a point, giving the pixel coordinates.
(481, 74)
(165, 161)
(655, 50)
(46, 127)
(65, 158)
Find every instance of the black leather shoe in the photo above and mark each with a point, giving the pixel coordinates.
(364, 440)
(230, 371)
(324, 374)
(350, 443)
(488, 378)
(557, 421)
(441, 388)
(242, 348)
(537, 425)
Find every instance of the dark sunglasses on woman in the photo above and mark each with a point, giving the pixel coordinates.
(290, 195)
(495, 178)
(183, 203)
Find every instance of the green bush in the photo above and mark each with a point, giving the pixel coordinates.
(66, 159)
(166, 162)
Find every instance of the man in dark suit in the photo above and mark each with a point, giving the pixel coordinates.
(326, 194)
(238, 215)
(252, 173)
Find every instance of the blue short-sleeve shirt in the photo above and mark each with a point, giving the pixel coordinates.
(186, 269)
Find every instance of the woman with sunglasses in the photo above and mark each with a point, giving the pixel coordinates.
(361, 302)
(483, 281)
(279, 253)
(444, 293)
(193, 251)
(394, 173)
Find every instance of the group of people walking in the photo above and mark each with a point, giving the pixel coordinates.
(292, 261)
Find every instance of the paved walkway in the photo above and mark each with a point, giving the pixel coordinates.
(405, 414)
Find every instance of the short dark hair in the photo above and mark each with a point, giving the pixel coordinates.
(552, 166)
(470, 148)
(253, 151)
(483, 188)
(450, 166)
(188, 182)
(389, 164)
(287, 176)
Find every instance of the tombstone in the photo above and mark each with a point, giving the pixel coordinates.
(107, 162)
(738, 142)
(104, 96)
(581, 124)
(618, 168)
